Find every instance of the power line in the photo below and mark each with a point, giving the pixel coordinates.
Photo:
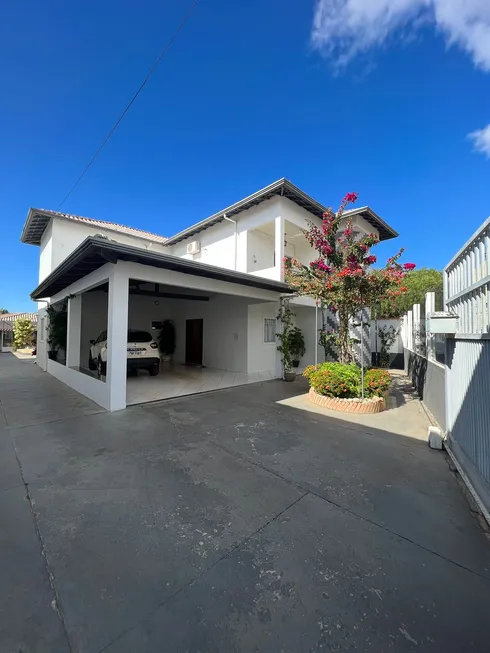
(128, 106)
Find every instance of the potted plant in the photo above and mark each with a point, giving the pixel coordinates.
(296, 345)
(57, 329)
(286, 316)
(166, 340)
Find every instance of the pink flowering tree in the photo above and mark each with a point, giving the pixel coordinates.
(341, 276)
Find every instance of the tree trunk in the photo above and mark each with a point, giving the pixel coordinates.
(345, 351)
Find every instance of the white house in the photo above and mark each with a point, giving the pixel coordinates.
(220, 281)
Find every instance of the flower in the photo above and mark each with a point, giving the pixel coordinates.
(350, 197)
(409, 266)
(369, 260)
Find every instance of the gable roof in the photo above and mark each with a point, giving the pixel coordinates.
(38, 219)
(13, 317)
(283, 188)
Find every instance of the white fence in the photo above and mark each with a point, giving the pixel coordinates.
(467, 293)
(425, 357)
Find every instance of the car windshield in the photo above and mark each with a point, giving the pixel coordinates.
(139, 336)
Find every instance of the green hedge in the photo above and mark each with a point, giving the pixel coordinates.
(341, 380)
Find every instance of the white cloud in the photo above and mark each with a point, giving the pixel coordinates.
(344, 28)
(481, 140)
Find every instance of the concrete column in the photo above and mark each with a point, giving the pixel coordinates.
(73, 331)
(279, 246)
(117, 337)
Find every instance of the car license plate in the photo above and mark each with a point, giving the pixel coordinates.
(135, 350)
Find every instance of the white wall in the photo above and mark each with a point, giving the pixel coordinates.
(85, 384)
(224, 326)
(218, 241)
(397, 347)
(261, 356)
(62, 237)
(93, 322)
(305, 319)
(255, 250)
(46, 252)
(217, 246)
(42, 343)
(260, 251)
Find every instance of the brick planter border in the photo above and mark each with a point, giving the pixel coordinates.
(360, 406)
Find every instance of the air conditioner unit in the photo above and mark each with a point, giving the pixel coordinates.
(194, 248)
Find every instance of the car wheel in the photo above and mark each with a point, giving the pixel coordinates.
(91, 364)
(101, 367)
(154, 370)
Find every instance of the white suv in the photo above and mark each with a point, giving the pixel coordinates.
(142, 353)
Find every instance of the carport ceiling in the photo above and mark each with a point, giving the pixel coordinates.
(146, 289)
(159, 290)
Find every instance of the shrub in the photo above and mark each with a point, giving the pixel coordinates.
(308, 371)
(23, 333)
(376, 382)
(336, 380)
(344, 380)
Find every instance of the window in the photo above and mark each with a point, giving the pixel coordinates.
(139, 336)
(269, 329)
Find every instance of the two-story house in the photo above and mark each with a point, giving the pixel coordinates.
(220, 281)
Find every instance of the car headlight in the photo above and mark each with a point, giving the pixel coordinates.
(153, 345)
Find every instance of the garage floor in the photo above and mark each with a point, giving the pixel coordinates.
(179, 380)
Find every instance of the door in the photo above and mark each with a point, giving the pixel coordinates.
(193, 342)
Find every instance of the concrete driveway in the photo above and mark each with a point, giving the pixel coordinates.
(227, 522)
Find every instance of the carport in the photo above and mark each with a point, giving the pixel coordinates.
(108, 286)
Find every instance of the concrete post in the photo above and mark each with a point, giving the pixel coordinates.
(410, 330)
(416, 327)
(430, 307)
(279, 246)
(117, 337)
(73, 332)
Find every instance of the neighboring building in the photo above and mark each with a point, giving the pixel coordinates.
(220, 281)
(7, 321)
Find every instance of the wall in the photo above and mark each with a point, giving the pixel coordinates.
(217, 246)
(428, 379)
(67, 235)
(305, 319)
(46, 252)
(468, 408)
(396, 350)
(261, 356)
(218, 241)
(86, 385)
(224, 326)
(42, 344)
(260, 251)
(93, 322)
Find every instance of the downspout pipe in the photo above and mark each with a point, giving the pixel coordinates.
(236, 238)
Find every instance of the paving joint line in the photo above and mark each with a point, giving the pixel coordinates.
(57, 600)
(349, 511)
(205, 571)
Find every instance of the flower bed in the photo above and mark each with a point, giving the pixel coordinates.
(338, 386)
(370, 405)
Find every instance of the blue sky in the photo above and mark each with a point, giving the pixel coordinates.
(378, 105)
